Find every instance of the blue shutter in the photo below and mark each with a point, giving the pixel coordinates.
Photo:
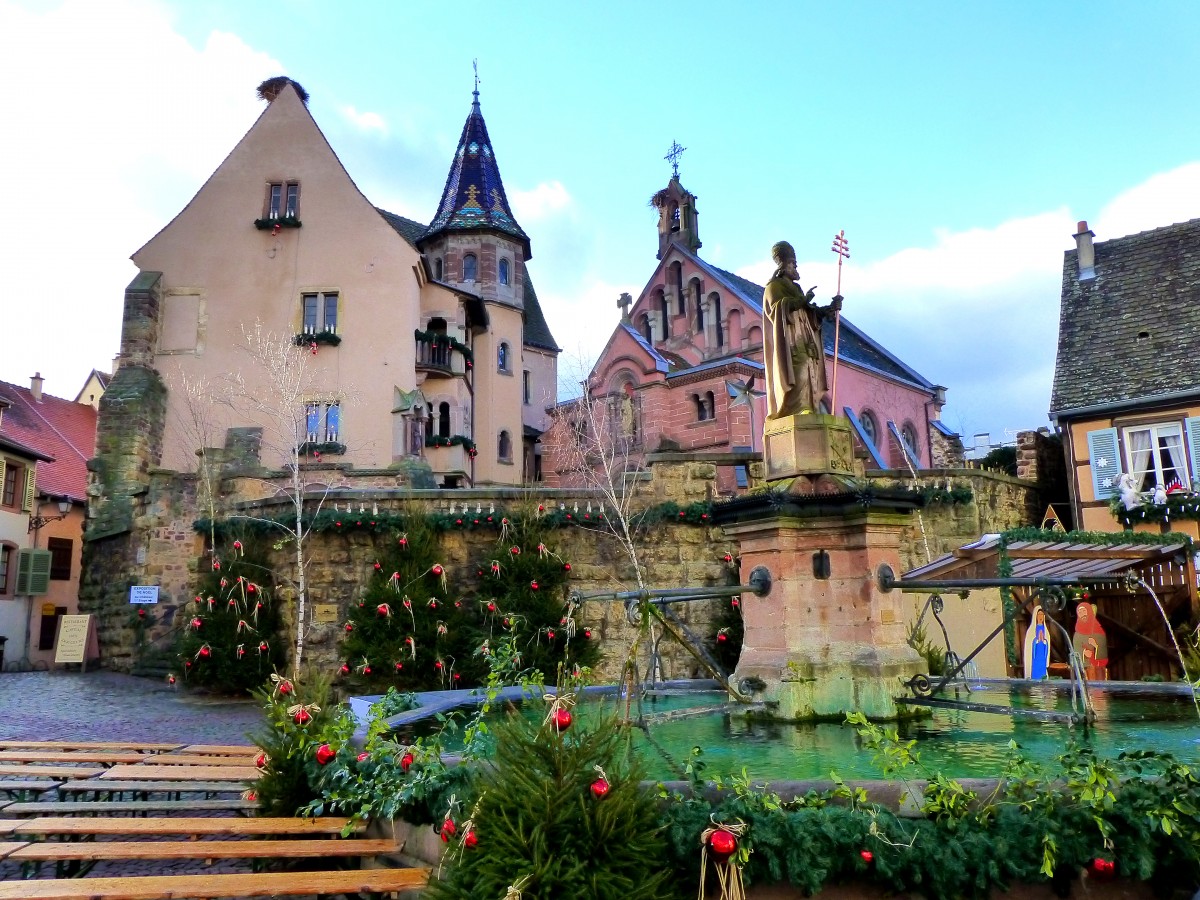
(1192, 426)
(857, 425)
(1105, 459)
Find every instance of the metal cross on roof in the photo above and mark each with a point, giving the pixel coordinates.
(673, 157)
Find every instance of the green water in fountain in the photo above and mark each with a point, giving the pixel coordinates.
(957, 743)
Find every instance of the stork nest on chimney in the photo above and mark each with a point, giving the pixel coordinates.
(270, 88)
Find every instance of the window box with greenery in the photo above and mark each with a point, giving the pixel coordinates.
(322, 448)
(330, 338)
(281, 222)
(443, 341)
(457, 440)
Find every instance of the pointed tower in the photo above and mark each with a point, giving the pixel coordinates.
(677, 216)
(474, 239)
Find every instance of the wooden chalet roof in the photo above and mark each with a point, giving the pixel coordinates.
(1045, 559)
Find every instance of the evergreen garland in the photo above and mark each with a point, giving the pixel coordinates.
(441, 339)
(1181, 505)
(230, 639)
(305, 338)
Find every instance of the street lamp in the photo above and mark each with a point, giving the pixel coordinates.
(64, 509)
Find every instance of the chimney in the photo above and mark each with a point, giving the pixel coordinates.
(35, 386)
(1087, 253)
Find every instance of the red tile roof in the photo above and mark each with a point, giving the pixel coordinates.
(58, 428)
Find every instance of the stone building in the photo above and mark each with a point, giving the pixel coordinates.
(695, 330)
(427, 341)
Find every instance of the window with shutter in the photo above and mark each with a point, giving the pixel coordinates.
(33, 572)
(1105, 460)
(1192, 426)
(3, 472)
(30, 485)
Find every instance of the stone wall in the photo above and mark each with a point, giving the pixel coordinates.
(161, 547)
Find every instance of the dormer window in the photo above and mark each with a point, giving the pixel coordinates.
(470, 266)
(504, 271)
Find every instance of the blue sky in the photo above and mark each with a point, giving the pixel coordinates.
(956, 143)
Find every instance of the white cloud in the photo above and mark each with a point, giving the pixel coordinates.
(113, 122)
(364, 121)
(1162, 199)
(547, 199)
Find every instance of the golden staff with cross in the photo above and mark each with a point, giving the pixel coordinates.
(842, 249)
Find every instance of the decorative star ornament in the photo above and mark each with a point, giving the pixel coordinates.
(1102, 462)
(743, 393)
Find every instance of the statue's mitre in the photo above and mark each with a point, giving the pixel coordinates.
(782, 251)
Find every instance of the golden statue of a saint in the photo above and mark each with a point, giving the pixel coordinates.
(793, 352)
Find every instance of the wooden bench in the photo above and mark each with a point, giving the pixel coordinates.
(95, 851)
(89, 745)
(24, 790)
(164, 825)
(259, 884)
(33, 771)
(221, 749)
(144, 772)
(117, 807)
(102, 757)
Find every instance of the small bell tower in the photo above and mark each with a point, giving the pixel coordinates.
(676, 209)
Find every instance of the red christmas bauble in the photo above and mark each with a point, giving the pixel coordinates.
(261, 761)
(470, 840)
(721, 638)
(600, 788)
(563, 719)
(204, 651)
(722, 842)
(449, 829)
(491, 607)
(550, 635)
(345, 670)
(141, 614)
(364, 756)
(196, 623)
(587, 632)
(567, 567)
(727, 558)
(437, 570)
(867, 856)
(324, 754)
(406, 762)
(399, 666)
(349, 627)
(533, 585)
(170, 679)
(366, 670)
(301, 717)
(1104, 868)
(382, 609)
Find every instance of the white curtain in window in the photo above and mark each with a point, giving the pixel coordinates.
(1139, 452)
(1171, 457)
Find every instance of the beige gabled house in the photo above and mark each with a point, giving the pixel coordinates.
(427, 342)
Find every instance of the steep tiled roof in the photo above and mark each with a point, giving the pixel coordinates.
(408, 229)
(474, 198)
(58, 428)
(536, 331)
(1131, 333)
(660, 362)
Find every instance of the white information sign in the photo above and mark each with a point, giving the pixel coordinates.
(143, 594)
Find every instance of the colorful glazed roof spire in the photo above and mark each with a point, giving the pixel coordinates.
(474, 199)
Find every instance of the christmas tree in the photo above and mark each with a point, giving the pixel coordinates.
(230, 636)
(407, 631)
(563, 815)
(523, 591)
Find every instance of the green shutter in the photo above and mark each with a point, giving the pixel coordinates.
(1104, 454)
(30, 485)
(33, 572)
(1193, 435)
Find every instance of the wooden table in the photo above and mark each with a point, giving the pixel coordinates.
(34, 771)
(87, 745)
(104, 757)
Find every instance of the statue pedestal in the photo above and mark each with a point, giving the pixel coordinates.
(811, 444)
(823, 647)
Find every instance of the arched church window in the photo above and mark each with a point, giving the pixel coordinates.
(908, 431)
(714, 300)
(699, 315)
(870, 426)
(504, 271)
(470, 266)
(645, 327)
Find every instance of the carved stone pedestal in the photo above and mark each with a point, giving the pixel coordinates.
(810, 444)
(823, 646)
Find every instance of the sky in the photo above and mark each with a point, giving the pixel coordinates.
(957, 144)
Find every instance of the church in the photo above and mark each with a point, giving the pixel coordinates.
(683, 371)
(424, 343)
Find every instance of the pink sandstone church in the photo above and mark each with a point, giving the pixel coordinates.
(693, 338)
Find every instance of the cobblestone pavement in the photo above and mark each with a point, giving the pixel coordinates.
(107, 706)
